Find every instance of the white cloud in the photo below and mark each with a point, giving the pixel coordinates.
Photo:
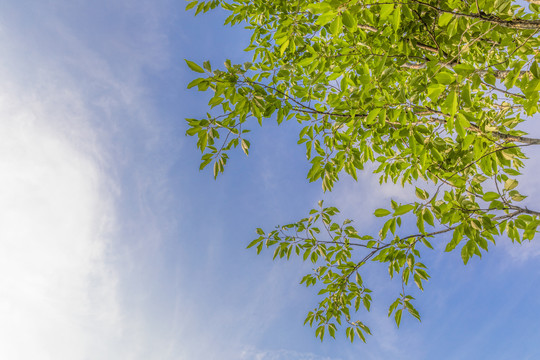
(57, 293)
(68, 85)
(519, 253)
(358, 200)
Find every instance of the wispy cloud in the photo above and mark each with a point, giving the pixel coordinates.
(358, 199)
(516, 253)
(70, 86)
(57, 292)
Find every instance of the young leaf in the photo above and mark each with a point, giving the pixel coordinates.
(194, 66)
(382, 212)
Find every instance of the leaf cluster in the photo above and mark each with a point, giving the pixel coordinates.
(427, 91)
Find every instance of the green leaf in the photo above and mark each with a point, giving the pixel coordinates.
(535, 70)
(382, 212)
(456, 239)
(332, 330)
(336, 25)
(195, 82)
(397, 316)
(490, 196)
(245, 146)
(403, 209)
(428, 216)
(421, 194)
(451, 103)
(360, 334)
(386, 10)
(516, 196)
(372, 115)
(306, 61)
(320, 332)
(510, 184)
(464, 69)
(468, 251)
(253, 243)
(444, 19)
(283, 47)
(194, 66)
(462, 124)
(434, 90)
(319, 8)
(466, 96)
(349, 21)
(445, 78)
(191, 5)
(396, 19)
(326, 18)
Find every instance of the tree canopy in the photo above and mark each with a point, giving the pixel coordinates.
(434, 92)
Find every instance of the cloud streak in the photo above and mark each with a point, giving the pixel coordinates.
(58, 294)
(68, 89)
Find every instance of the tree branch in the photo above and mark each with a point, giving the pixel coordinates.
(518, 24)
(475, 128)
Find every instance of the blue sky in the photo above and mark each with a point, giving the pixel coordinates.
(114, 246)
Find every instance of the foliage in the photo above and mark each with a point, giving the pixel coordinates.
(423, 89)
